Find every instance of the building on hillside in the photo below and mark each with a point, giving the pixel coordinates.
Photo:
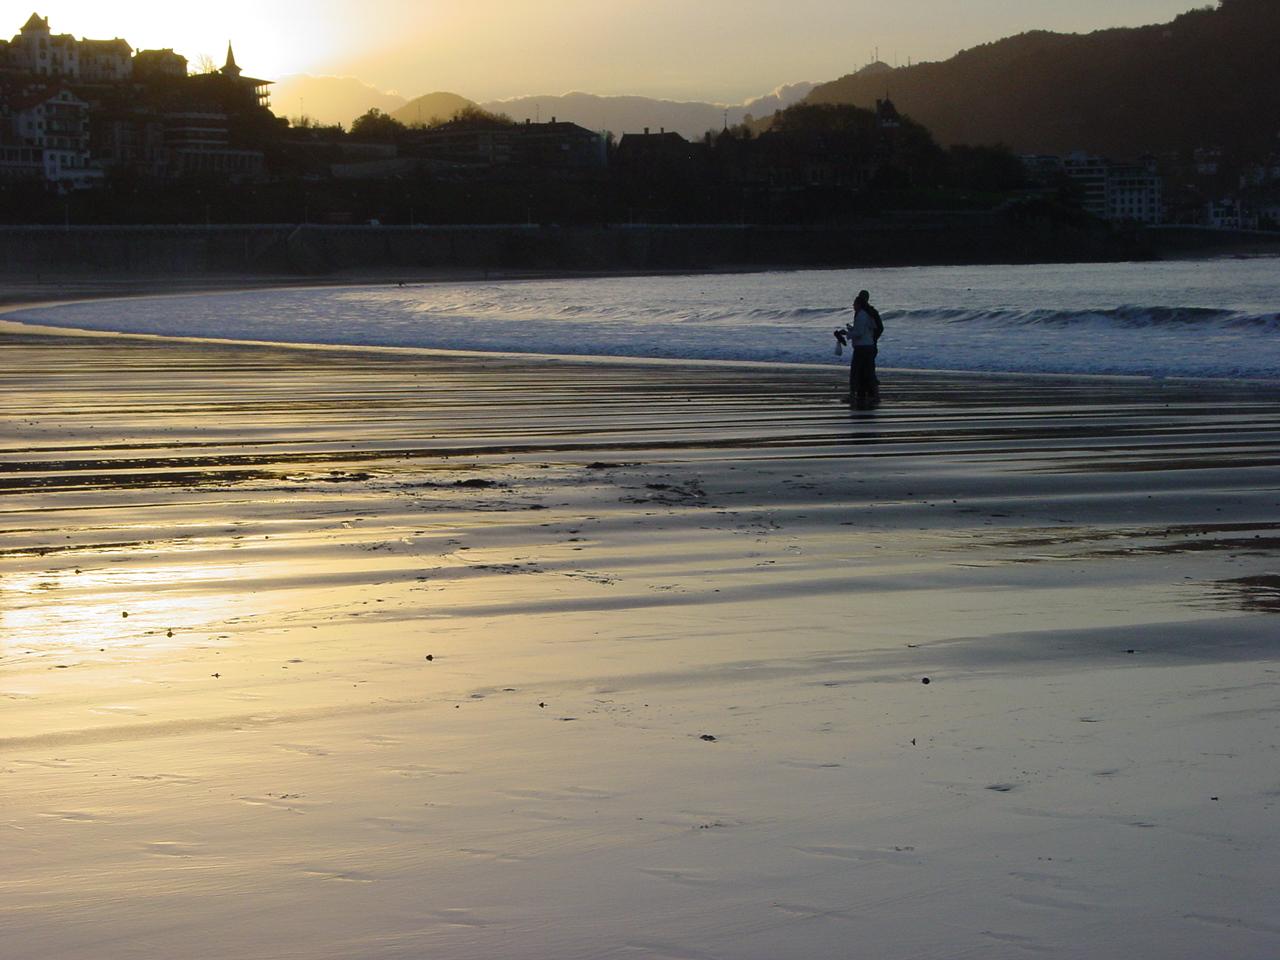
(650, 152)
(559, 147)
(1089, 174)
(485, 144)
(1135, 193)
(70, 109)
(198, 144)
(129, 140)
(1117, 192)
(808, 159)
(248, 91)
(887, 116)
(18, 162)
(38, 51)
(158, 64)
(1223, 214)
(105, 61)
(55, 122)
(473, 143)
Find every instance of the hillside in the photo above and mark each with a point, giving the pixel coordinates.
(430, 108)
(690, 119)
(1209, 78)
(342, 99)
(329, 100)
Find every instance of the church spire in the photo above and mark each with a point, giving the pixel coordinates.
(230, 69)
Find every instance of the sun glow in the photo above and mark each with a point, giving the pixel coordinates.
(713, 49)
(270, 40)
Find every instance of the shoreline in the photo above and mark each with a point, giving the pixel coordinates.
(11, 302)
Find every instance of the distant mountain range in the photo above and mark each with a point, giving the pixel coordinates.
(431, 108)
(690, 119)
(342, 99)
(1209, 78)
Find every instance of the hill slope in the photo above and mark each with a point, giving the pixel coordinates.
(431, 107)
(622, 115)
(329, 99)
(1209, 78)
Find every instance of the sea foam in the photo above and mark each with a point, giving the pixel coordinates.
(1218, 319)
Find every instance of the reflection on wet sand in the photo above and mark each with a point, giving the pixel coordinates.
(497, 640)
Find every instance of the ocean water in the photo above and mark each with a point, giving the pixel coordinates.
(1207, 319)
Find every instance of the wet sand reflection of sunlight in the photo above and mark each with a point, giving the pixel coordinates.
(78, 611)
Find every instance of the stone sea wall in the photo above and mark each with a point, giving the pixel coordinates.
(315, 250)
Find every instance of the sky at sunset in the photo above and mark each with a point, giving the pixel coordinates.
(724, 50)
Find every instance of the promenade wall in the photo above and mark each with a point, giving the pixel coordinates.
(314, 250)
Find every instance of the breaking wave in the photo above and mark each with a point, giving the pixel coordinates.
(1091, 319)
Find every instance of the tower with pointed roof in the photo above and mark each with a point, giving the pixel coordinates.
(231, 78)
(230, 69)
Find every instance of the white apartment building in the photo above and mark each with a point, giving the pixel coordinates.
(38, 50)
(1135, 193)
(54, 124)
(1117, 192)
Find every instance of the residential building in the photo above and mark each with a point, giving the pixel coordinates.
(231, 79)
(1135, 193)
(1089, 174)
(1224, 214)
(131, 140)
(20, 162)
(1118, 192)
(55, 123)
(70, 109)
(37, 50)
(559, 147)
(158, 64)
(555, 148)
(198, 144)
(652, 152)
(105, 61)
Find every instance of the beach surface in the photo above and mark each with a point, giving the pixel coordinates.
(339, 653)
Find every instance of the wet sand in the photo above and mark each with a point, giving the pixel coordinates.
(338, 653)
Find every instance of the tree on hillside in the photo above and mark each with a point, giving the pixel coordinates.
(988, 169)
(473, 116)
(377, 127)
(830, 118)
(1207, 78)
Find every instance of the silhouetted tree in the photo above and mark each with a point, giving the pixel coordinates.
(473, 116)
(989, 169)
(376, 126)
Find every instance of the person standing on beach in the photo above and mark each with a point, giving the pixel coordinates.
(862, 335)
